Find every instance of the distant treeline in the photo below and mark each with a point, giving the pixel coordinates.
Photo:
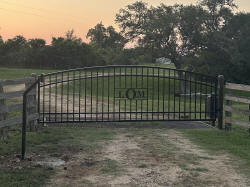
(209, 37)
(63, 53)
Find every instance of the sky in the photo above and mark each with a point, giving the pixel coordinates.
(52, 18)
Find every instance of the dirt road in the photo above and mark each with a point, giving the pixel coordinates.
(149, 157)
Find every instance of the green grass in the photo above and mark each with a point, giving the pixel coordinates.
(111, 167)
(24, 177)
(53, 142)
(236, 142)
(14, 73)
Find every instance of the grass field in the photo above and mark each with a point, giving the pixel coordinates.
(112, 153)
(236, 142)
(47, 142)
(14, 73)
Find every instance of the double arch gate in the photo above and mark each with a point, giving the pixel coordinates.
(123, 93)
(126, 93)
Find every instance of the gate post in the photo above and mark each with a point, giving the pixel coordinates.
(220, 100)
(3, 115)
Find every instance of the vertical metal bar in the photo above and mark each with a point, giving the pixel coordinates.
(56, 99)
(102, 92)
(163, 93)
(147, 92)
(108, 94)
(114, 111)
(136, 88)
(43, 79)
(195, 96)
(180, 87)
(24, 126)
(38, 98)
(158, 97)
(79, 90)
(142, 77)
(185, 92)
(216, 89)
(62, 98)
(125, 101)
(153, 83)
(97, 79)
(120, 82)
(211, 111)
(174, 91)
(206, 98)
(201, 97)
(169, 82)
(74, 95)
(49, 97)
(91, 95)
(85, 94)
(68, 97)
(190, 96)
(130, 107)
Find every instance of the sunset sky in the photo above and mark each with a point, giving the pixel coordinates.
(48, 18)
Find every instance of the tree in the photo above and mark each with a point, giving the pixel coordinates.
(219, 13)
(1, 40)
(170, 31)
(238, 30)
(36, 43)
(217, 49)
(152, 28)
(13, 51)
(106, 37)
(131, 20)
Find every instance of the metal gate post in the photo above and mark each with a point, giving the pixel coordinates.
(220, 100)
(24, 126)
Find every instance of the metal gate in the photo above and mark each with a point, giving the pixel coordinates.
(126, 93)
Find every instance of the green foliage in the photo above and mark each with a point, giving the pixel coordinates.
(106, 37)
(207, 37)
(64, 52)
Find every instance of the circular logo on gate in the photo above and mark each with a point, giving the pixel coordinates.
(130, 94)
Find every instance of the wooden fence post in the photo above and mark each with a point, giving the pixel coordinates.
(31, 100)
(220, 100)
(3, 115)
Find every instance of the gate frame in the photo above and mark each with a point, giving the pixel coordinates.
(218, 101)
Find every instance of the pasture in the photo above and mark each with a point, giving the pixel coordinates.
(164, 155)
